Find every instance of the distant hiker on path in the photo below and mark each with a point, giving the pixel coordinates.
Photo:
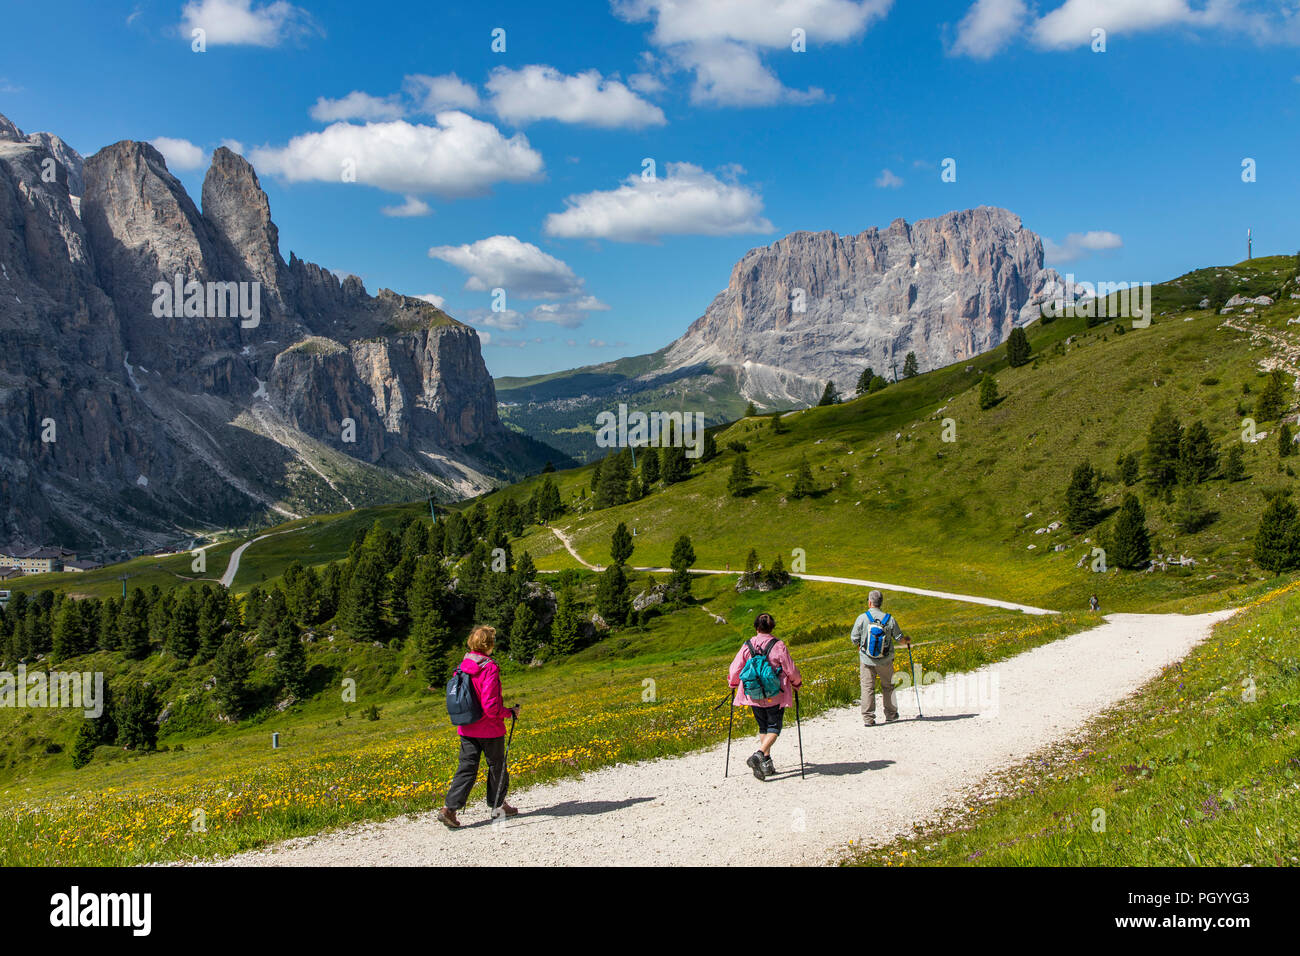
(486, 735)
(766, 679)
(1094, 604)
(875, 634)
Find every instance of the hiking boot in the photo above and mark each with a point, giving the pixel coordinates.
(448, 819)
(505, 810)
(755, 763)
(890, 720)
(868, 723)
(769, 768)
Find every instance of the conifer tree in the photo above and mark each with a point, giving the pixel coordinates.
(1164, 445)
(910, 368)
(1018, 350)
(1234, 462)
(290, 659)
(523, 633)
(683, 556)
(1197, 457)
(183, 632)
(430, 635)
(804, 485)
(231, 668)
(133, 626)
(361, 601)
(1277, 540)
(649, 468)
(1273, 400)
(988, 391)
(1131, 545)
(620, 544)
(613, 602)
(741, 477)
(566, 625)
(1082, 504)
(830, 395)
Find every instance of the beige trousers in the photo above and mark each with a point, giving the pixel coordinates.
(867, 673)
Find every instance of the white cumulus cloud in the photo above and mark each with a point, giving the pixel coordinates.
(722, 41)
(1072, 23)
(356, 106)
(687, 201)
(413, 206)
(433, 94)
(239, 23)
(460, 156)
(433, 299)
(888, 179)
(569, 314)
(507, 262)
(542, 92)
(179, 153)
(1078, 245)
(988, 26)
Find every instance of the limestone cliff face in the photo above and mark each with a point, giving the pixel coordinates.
(816, 306)
(168, 420)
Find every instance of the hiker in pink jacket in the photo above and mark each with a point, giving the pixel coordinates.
(769, 712)
(487, 735)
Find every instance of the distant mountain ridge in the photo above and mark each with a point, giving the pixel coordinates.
(810, 308)
(123, 422)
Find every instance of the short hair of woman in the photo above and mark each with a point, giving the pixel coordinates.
(765, 623)
(482, 639)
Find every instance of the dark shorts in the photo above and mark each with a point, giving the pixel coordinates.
(769, 718)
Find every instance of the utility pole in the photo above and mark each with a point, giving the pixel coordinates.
(1250, 254)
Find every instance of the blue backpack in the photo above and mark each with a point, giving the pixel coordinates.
(877, 641)
(463, 705)
(759, 678)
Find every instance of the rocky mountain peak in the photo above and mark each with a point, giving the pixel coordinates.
(236, 206)
(126, 328)
(814, 307)
(10, 132)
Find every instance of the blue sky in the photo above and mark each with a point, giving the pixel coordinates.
(523, 169)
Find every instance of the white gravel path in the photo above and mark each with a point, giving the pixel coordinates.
(863, 784)
(855, 582)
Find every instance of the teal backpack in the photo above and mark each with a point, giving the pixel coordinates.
(759, 678)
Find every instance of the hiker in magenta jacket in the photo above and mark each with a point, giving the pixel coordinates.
(486, 736)
(769, 712)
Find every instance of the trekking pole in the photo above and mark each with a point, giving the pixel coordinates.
(798, 724)
(505, 764)
(912, 667)
(731, 719)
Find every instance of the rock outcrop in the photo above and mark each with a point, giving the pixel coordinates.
(816, 306)
(135, 411)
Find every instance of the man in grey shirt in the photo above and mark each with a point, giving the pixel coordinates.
(869, 668)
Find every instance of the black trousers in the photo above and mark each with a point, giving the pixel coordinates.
(498, 779)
